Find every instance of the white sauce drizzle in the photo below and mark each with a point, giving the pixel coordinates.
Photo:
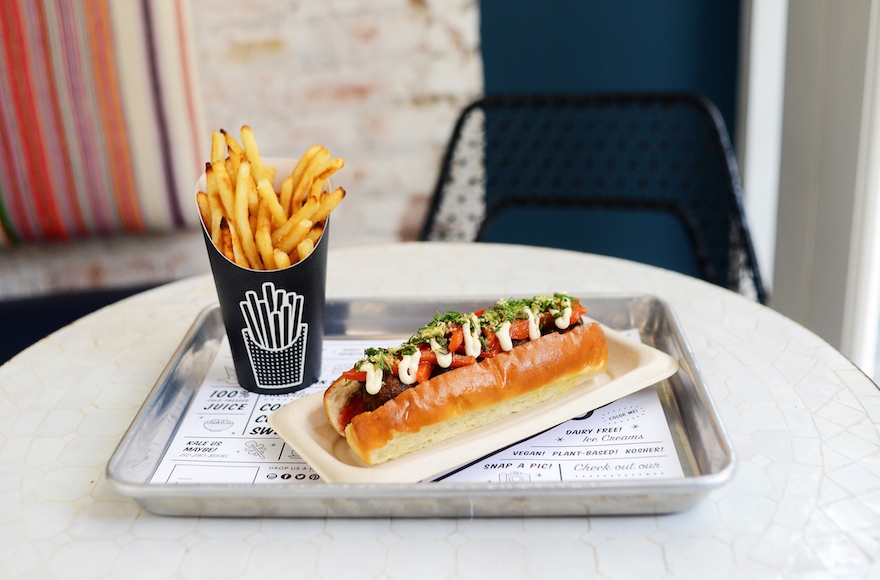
(503, 335)
(374, 377)
(534, 329)
(472, 346)
(444, 357)
(563, 321)
(408, 367)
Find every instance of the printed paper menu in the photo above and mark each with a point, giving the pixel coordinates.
(626, 439)
(224, 437)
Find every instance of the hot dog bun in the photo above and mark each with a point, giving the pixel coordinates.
(469, 397)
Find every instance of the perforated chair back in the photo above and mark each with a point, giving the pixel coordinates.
(645, 177)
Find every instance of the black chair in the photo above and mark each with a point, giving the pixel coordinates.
(647, 177)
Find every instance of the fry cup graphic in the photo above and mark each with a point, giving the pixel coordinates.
(275, 336)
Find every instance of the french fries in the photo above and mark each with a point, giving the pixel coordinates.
(252, 224)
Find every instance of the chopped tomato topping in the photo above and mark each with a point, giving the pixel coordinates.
(424, 372)
(456, 339)
(353, 375)
(428, 355)
(576, 312)
(493, 345)
(460, 360)
(519, 329)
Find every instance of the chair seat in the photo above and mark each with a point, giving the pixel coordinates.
(643, 236)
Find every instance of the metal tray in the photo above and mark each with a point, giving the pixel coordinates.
(706, 455)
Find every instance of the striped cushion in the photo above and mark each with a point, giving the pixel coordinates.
(99, 125)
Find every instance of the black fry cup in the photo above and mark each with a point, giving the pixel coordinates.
(274, 318)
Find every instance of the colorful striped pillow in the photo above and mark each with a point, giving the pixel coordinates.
(100, 126)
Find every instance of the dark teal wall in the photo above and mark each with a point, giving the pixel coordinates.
(612, 46)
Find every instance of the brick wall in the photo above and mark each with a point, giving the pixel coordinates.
(377, 82)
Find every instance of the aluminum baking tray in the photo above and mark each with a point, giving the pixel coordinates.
(703, 448)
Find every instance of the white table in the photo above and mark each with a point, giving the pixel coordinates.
(805, 501)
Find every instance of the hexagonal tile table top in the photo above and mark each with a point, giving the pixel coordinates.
(805, 500)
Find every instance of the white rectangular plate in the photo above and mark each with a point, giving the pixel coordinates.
(304, 426)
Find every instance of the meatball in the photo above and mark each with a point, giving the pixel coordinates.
(391, 387)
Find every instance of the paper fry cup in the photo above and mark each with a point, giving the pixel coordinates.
(274, 319)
